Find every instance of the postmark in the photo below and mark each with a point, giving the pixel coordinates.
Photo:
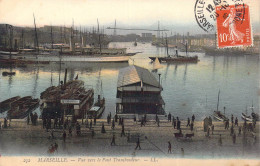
(206, 14)
(229, 19)
(233, 26)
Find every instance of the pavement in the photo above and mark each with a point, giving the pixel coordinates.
(29, 140)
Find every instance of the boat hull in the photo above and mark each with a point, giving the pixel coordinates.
(176, 59)
(219, 116)
(245, 117)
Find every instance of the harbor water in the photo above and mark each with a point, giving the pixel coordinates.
(187, 88)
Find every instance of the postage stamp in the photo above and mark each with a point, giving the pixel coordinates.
(233, 26)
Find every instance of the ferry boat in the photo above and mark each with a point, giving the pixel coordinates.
(68, 100)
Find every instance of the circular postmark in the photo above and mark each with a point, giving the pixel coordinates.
(206, 14)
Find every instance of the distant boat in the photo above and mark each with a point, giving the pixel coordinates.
(156, 65)
(230, 51)
(177, 58)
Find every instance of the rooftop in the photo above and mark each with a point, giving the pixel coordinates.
(134, 74)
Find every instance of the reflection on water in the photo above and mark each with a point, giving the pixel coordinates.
(187, 88)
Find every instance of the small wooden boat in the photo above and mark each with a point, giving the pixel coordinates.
(5, 73)
(22, 110)
(219, 116)
(246, 117)
(98, 109)
(6, 104)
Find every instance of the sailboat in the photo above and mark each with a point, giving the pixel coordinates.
(156, 65)
(218, 114)
(254, 116)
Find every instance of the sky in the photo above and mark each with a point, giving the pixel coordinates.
(179, 13)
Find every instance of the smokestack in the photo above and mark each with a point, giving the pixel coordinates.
(159, 79)
(65, 78)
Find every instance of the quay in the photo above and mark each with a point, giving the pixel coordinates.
(27, 139)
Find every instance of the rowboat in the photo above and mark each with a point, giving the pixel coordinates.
(6, 104)
(22, 107)
(219, 116)
(246, 117)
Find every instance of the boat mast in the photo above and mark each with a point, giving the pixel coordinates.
(10, 40)
(252, 108)
(36, 37)
(186, 48)
(218, 99)
(98, 37)
(51, 39)
(167, 51)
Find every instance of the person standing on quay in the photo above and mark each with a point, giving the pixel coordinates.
(138, 144)
(220, 140)
(234, 138)
(28, 119)
(64, 136)
(90, 125)
(113, 142)
(123, 131)
(193, 118)
(236, 122)
(178, 124)
(113, 124)
(169, 117)
(95, 120)
(188, 123)
(212, 128)
(169, 147)
(103, 128)
(191, 126)
(174, 123)
(182, 152)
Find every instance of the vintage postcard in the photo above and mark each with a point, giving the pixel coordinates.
(129, 82)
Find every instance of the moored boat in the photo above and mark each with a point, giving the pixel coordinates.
(23, 109)
(246, 117)
(176, 59)
(5, 73)
(219, 116)
(6, 104)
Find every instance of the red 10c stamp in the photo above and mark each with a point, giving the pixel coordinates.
(233, 26)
